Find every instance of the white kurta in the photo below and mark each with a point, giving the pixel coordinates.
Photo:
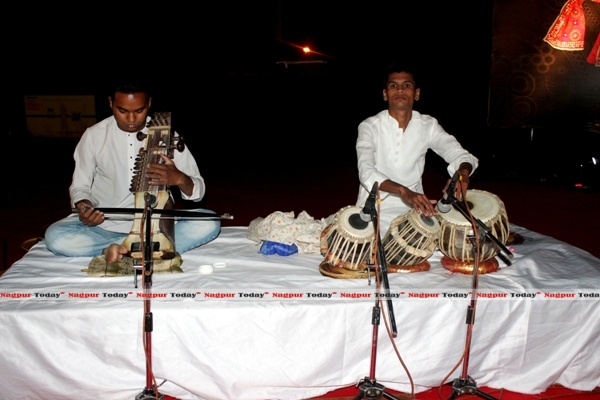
(386, 151)
(104, 161)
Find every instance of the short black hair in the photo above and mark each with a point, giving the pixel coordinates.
(400, 66)
(131, 84)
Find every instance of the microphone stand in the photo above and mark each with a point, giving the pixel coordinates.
(368, 387)
(150, 392)
(465, 384)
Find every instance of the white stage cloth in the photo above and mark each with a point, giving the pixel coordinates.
(245, 347)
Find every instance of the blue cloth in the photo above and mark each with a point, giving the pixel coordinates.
(70, 237)
(270, 248)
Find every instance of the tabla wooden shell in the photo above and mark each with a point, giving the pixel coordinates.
(344, 246)
(455, 229)
(410, 239)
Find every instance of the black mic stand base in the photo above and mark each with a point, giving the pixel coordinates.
(462, 386)
(149, 394)
(370, 389)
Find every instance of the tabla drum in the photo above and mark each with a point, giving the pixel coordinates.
(454, 240)
(346, 246)
(410, 240)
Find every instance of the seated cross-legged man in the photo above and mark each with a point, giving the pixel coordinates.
(104, 166)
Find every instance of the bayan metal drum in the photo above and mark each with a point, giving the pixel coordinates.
(454, 240)
(347, 246)
(410, 241)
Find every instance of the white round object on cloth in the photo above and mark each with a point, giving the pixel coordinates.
(205, 269)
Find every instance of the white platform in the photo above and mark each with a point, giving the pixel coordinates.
(292, 348)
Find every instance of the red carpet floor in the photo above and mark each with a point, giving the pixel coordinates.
(554, 392)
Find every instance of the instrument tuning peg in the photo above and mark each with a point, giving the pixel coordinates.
(141, 136)
(180, 144)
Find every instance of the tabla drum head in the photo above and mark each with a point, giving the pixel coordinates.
(349, 220)
(483, 206)
(427, 224)
(348, 241)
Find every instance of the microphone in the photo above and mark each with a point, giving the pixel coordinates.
(362, 219)
(445, 204)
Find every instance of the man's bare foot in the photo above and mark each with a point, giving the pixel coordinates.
(114, 252)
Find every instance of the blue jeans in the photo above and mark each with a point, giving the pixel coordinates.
(70, 237)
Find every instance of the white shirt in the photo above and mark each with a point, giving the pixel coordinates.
(104, 162)
(385, 151)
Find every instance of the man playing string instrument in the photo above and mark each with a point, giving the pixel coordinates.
(104, 165)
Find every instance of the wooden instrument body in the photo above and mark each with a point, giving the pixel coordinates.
(162, 231)
(159, 141)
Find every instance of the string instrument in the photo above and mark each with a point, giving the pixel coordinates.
(160, 140)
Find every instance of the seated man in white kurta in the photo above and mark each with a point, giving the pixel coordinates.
(391, 149)
(104, 165)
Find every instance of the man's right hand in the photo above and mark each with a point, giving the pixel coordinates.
(87, 214)
(419, 202)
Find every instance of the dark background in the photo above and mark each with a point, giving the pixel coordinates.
(215, 67)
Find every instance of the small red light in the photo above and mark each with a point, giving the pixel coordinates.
(579, 185)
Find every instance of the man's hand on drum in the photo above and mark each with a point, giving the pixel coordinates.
(461, 187)
(463, 183)
(419, 202)
(87, 215)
